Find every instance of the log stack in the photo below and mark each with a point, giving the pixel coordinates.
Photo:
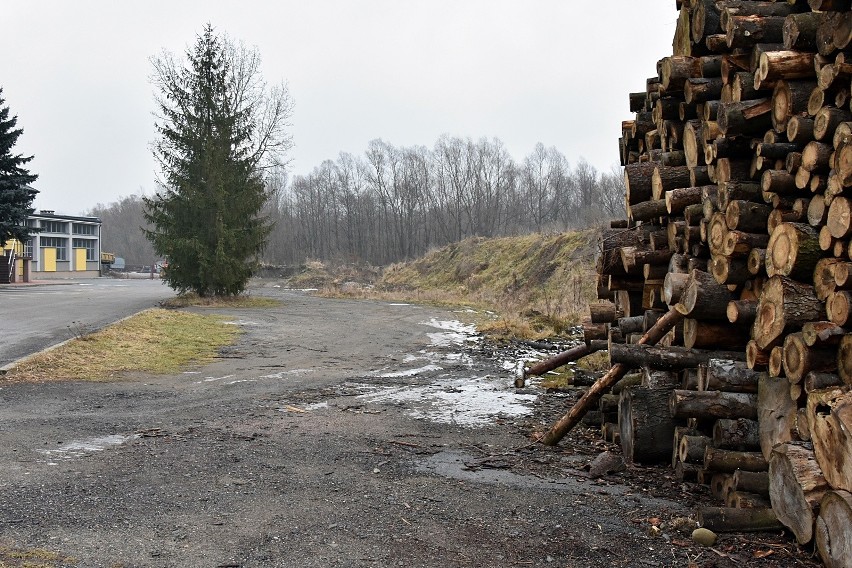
(738, 197)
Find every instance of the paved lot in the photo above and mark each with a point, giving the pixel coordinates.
(38, 316)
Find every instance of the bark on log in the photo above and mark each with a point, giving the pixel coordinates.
(563, 358)
(742, 312)
(704, 298)
(815, 155)
(744, 32)
(784, 303)
(728, 270)
(746, 216)
(844, 359)
(833, 534)
(745, 118)
(667, 178)
(590, 398)
(637, 181)
(819, 381)
(729, 461)
(752, 481)
(712, 404)
(796, 486)
(776, 413)
(602, 312)
(729, 519)
(789, 98)
(829, 414)
(799, 31)
(793, 251)
(673, 286)
(664, 358)
(645, 425)
(741, 434)
(729, 376)
(702, 334)
(801, 359)
(691, 448)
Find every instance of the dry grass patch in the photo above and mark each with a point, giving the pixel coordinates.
(155, 341)
(236, 302)
(33, 558)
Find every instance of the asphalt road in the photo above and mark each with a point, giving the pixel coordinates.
(38, 316)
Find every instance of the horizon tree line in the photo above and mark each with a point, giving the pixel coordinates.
(394, 203)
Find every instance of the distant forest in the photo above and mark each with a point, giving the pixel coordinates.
(394, 203)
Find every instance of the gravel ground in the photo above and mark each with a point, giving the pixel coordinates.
(335, 433)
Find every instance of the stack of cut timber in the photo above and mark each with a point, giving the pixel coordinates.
(738, 194)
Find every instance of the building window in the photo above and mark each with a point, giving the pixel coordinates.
(87, 244)
(52, 227)
(83, 229)
(61, 246)
(28, 248)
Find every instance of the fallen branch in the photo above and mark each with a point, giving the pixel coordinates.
(543, 367)
(603, 384)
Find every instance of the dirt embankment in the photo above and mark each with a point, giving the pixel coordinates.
(335, 433)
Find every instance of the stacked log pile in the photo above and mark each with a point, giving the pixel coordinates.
(738, 176)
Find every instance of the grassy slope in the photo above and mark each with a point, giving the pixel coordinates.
(537, 284)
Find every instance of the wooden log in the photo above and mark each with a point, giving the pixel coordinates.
(630, 325)
(632, 257)
(712, 404)
(741, 434)
(730, 376)
(667, 178)
(819, 381)
(829, 414)
(827, 120)
(751, 481)
(654, 379)
(645, 425)
(742, 312)
(602, 312)
(592, 395)
(563, 358)
(823, 276)
(780, 182)
(801, 359)
(730, 519)
(796, 486)
(793, 251)
(839, 307)
(637, 181)
(745, 118)
(729, 461)
(817, 211)
(691, 448)
(677, 200)
(713, 335)
(664, 358)
(701, 89)
(704, 298)
(789, 98)
(757, 261)
(728, 270)
(832, 533)
(776, 362)
(799, 31)
(744, 32)
(776, 413)
(840, 218)
(647, 210)
(822, 333)
(784, 303)
(746, 216)
(815, 155)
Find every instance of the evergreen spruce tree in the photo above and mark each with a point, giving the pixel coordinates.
(16, 196)
(206, 218)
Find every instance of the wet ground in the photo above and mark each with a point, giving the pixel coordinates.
(335, 433)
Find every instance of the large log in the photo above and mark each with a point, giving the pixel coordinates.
(729, 461)
(789, 99)
(744, 32)
(664, 358)
(844, 359)
(833, 532)
(776, 413)
(729, 519)
(730, 376)
(563, 358)
(829, 415)
(840, 217)
(704, 298)
(796, 486)
(712, 404)
(747, 216)
(745, 118)
(801, 359)
(593, 394)
(793, 251)
(784, 304)
(667, 178)
(741, 434)
(690, 448)
(645, 425)
(751, 481)
(638, 178)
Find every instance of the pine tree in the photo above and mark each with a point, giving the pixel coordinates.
(206, 217)
(16, 196)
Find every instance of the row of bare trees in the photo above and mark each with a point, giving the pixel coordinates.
(394, 203)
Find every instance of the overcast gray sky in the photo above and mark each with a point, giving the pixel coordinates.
(76, 73)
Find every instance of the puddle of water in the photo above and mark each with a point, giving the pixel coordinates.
(80, 448)
(411, 372)
(454, 333)
(467, 402)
